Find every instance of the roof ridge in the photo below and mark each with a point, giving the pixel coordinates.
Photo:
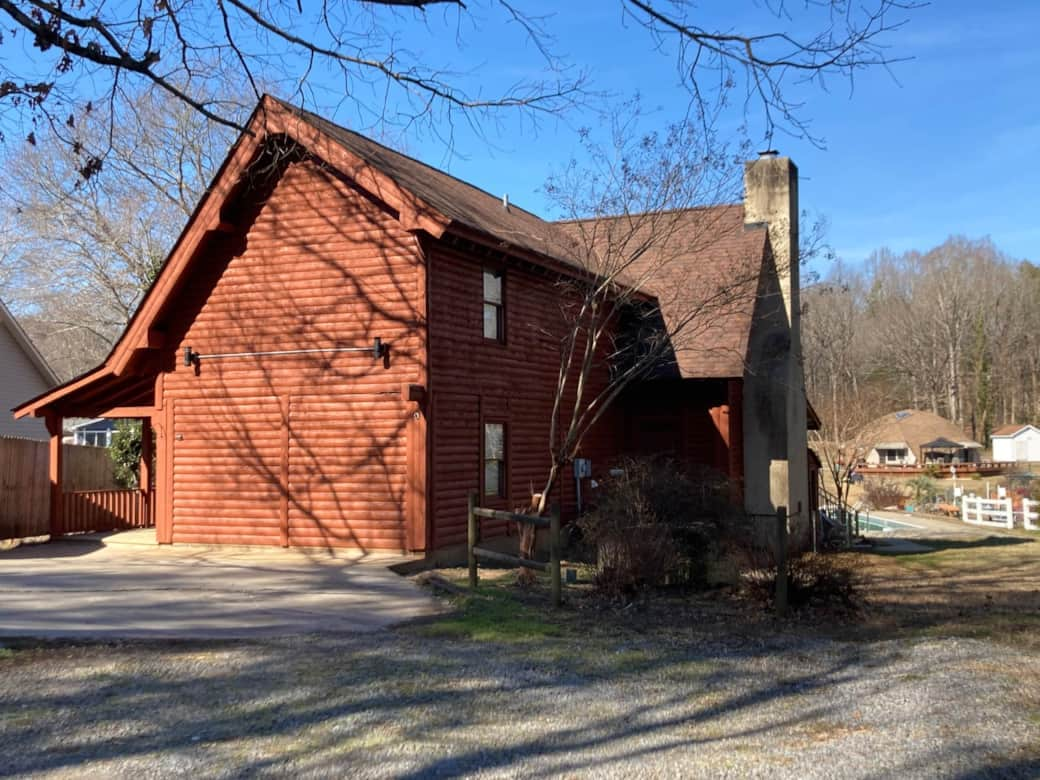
(676, 210)
(310, 115)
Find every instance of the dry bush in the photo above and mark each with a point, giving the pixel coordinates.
(655, 524)
(880, 492)
(817, 579)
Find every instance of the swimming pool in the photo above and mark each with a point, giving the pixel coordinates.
(883, 524)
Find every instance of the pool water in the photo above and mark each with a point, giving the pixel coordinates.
(884, 525)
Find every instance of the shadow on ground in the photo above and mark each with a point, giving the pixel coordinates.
(403, 704)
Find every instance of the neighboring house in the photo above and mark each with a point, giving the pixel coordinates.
(344, 342)
(92, 433)
(1016, 444)
(23, 373)
(911, 437)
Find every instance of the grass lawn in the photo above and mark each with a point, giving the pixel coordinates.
(987, 587)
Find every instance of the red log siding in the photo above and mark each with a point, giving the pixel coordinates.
(307, 449)
(473, 379)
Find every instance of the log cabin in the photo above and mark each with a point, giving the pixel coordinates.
(344, 342)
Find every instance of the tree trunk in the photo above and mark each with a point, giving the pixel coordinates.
(529, 533)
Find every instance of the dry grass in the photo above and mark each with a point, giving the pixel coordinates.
(987, 587)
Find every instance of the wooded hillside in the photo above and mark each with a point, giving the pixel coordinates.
(954, 330)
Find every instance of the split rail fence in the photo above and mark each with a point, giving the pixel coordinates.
(477, 553)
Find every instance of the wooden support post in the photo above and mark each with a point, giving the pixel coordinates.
(473, 537)
(554, 554)
(144, 483)
(162, 507)
(781, 561)
(57, 518)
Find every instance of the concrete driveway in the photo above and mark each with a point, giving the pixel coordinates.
(90, 588)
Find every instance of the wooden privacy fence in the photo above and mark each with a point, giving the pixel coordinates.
(477, 513)
(25, 497)
(996, 512)
(104, 510)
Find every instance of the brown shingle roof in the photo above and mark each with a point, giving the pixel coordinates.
(460, 201)
(705, 274)
(914, 427)
(708, 258)
(1009, 430)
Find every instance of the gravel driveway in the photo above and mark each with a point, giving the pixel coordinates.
(402, 704)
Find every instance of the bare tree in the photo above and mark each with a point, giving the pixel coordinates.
(368, 54)
(842, 38)
(635, 216)
(952, 330)
(88, 248)
(833, 335)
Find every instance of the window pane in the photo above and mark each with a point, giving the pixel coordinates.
(490, 321)
(492, 487)
(492, 286)
(494, 441)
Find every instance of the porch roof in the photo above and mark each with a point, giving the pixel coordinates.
(95, 394)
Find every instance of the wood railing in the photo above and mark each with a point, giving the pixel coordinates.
(477, 513)
(104, 510)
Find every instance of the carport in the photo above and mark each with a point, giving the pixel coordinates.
(98, 394)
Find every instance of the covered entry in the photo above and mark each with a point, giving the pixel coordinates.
(80, 511)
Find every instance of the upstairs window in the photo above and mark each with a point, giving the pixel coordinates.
(494, 310)
(494, 460)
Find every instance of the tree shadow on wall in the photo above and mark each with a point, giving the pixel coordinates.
(308, 449)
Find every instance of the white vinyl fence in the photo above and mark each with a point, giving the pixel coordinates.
(995, 512)
(1030, 515)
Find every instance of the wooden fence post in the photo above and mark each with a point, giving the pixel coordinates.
(554, 554)
(781, 561)
(472, 539)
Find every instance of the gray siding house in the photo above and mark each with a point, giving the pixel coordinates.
(23, 374)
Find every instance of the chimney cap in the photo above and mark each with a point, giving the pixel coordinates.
(768, 154)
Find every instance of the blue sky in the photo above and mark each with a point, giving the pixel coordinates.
(947, 143)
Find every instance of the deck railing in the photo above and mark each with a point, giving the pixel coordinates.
(104, 510)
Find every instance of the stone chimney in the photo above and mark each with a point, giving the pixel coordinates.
(771, 200)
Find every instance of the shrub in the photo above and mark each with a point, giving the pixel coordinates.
(655, 523)
(879, 493)
(924, 489)
(125, 452)
(812, 579)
